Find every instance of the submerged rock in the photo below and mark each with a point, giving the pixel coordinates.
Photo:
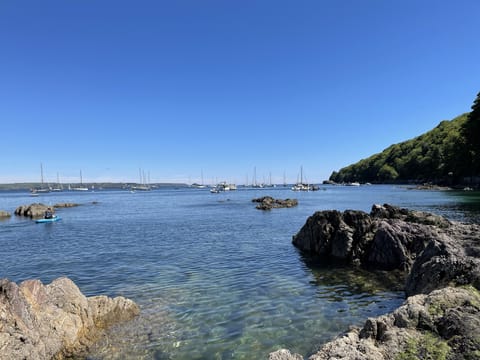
(268, 203)
(56, 320)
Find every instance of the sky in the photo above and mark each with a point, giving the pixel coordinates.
(223, 89)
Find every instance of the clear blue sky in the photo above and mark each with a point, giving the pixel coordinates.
(182, 87)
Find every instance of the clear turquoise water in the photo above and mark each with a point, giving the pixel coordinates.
(214, 277)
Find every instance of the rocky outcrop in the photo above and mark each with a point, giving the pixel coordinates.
(37, 210)
(4, 214)
(441, 325)
(440, 318)
(431, 250)
(56, 320)
(268, 203)
(65, 205)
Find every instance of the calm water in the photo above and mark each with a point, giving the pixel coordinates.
(214, 277)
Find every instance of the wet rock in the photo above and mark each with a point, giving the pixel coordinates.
(441, 317)
(268, 203)
(65, 205)
(35, 210)
(4, 214)
(443, 324)
(431, 250)
(284, 354)
(56, 320)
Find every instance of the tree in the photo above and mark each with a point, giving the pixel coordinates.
(471, 132)
(387, 173)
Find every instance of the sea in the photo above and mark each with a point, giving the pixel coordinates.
(214, 277)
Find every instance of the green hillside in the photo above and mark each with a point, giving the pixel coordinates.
(441, 156)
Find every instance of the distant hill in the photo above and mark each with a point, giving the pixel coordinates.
(441, 155)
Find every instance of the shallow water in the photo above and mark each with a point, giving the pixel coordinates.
(214, 277)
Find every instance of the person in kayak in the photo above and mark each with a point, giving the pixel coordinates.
(48, 213)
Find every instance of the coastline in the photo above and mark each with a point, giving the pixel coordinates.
(441, 312)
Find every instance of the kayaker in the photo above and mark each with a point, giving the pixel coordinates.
(48, 213)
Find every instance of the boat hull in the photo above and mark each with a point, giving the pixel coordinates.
(56, 218)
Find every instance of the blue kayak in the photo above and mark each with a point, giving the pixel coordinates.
(53, 219)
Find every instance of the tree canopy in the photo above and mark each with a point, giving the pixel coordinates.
(439, 155)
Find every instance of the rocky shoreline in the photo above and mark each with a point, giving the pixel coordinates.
(54, 321)
(441, 260)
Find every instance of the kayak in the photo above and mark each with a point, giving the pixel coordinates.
(53, 219)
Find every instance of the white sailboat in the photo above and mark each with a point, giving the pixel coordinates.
(42, 188)
(300, 185)
(142, 186)
(59, 187)
(81, 187)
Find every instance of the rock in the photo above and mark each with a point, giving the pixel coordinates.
(431, 250)
(284, 354)
(35, 210)
(441, 317)
(268, 203)
(65, 205)
(4, 214)
(56, 320)
(441, 325)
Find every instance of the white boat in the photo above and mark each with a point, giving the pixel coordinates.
(81, 187)
(300, 185)
(42, 188)
(59, 185)
(223, 186)
(354, 183)
(143, 185)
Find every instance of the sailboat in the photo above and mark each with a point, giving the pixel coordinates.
(142, 186)
(199, 186)
(81, 187)
(300, 185)
(42, 189)
(59, 186)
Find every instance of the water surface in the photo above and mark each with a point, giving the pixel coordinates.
(214, 277)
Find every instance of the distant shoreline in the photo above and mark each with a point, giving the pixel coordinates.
(97, 186)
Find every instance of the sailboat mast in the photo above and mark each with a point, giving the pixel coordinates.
(41, 173)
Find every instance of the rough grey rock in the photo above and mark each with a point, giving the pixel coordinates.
(441, 317)
(35, 210)
(284, 354)
(268, 203)
(65, 205)
(54, 321)
(443, 324)
(433, 251)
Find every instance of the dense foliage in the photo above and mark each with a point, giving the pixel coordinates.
(471, 132)
(440, 155)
